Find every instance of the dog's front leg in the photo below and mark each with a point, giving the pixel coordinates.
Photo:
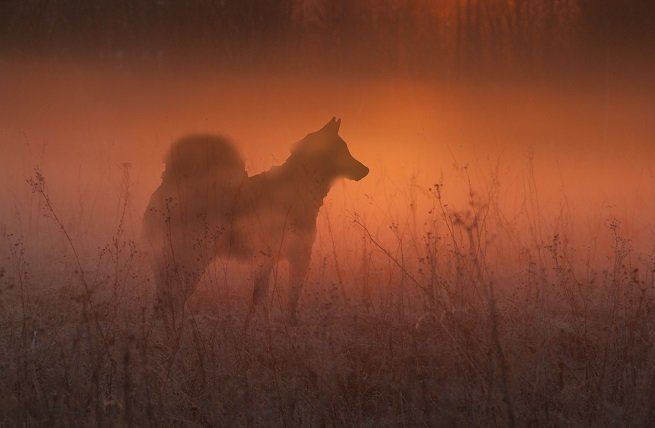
(297, 270)
(263, 268)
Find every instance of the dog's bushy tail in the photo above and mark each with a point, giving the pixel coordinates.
(202, 157)
(202, 176)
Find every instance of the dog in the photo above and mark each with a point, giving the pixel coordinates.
(208, 207)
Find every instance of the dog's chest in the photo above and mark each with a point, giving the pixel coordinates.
(270, 222)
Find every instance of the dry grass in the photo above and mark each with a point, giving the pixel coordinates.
(419, 325)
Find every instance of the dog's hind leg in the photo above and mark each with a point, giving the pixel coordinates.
(298, 265)
(164, 302)
(175, 282)
(263, 268)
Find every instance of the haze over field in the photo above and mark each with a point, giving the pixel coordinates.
(496, 267)
(588, 147)
(422, 86)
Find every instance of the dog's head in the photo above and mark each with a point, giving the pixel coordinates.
(326, 151)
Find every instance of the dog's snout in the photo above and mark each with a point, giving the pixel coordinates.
(359, 171)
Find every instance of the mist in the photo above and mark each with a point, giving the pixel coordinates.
(498, 256)
(585, 144)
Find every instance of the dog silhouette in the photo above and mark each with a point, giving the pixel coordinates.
(207, 207)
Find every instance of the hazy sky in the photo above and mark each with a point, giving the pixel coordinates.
(418, 102)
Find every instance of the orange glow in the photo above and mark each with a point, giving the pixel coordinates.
(480, 252)
(589, 153)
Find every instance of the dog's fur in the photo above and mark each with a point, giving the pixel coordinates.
(208, 207)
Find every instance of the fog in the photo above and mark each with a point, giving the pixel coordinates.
(495, 267)
(579, 147)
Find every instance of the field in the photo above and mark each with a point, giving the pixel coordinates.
(495, 269)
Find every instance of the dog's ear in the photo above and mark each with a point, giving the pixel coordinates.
(332, 126)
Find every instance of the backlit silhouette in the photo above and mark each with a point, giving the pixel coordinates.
(208, 207)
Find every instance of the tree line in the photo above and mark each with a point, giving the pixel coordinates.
(385, 32)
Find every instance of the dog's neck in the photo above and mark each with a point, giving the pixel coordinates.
(311, 181)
